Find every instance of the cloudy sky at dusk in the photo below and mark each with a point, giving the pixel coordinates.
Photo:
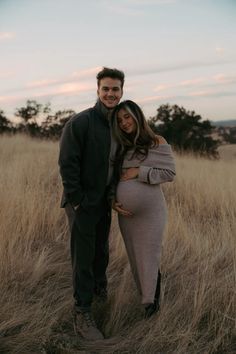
(172, 51)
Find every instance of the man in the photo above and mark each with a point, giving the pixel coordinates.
(84, 167)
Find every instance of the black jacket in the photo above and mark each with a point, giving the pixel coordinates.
(84, 159)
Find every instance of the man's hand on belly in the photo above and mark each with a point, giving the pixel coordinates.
(129, 173)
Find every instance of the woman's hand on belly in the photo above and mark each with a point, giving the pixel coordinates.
(119, 208)
(129, 173)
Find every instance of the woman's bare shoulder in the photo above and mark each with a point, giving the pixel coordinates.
(160, 140)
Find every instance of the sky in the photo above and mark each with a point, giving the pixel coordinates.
(172, 51)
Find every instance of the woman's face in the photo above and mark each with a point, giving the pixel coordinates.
(126, 122)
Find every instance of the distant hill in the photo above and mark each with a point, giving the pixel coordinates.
(224, 123)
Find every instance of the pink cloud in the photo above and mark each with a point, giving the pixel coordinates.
(6, 74)
(192, 82)
(220, 50)
(83, 75)
(6, 35)
(163, 87)
(41, 83)
(73, 87)
(224, 79)
(152, 99)
(87, 73)
(9, 99)
(69, 89)
(200, 93)
(184, 83)
(219, 78)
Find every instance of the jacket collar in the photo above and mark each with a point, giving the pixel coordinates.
(103, 111)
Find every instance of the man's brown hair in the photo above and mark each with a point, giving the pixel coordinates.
(112, 73)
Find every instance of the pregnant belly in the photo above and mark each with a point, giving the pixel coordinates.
(139, 197)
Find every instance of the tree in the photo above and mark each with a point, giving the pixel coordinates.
(184, 130)
(53, 124)
(228, 134)
(30, 112)
(29, 115)
(5, 124)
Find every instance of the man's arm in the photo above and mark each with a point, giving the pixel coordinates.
(71, 151)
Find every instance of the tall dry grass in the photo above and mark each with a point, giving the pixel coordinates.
(198, 263)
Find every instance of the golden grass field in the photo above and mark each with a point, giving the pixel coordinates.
(198, 306)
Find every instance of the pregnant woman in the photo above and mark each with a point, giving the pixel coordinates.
(142, 162)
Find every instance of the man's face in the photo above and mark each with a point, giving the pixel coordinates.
(110, 92)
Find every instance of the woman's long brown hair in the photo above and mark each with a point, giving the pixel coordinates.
(140, 141)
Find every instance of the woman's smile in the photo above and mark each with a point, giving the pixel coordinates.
(126, 122)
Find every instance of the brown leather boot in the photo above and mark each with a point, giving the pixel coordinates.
(85, 326)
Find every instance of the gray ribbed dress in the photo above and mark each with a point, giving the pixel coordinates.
(143, 232)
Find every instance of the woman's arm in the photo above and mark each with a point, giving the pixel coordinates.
(153, 175)
(149, 174)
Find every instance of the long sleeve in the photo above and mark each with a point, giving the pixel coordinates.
(71, 150)
(153, 175)
(158, 167)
